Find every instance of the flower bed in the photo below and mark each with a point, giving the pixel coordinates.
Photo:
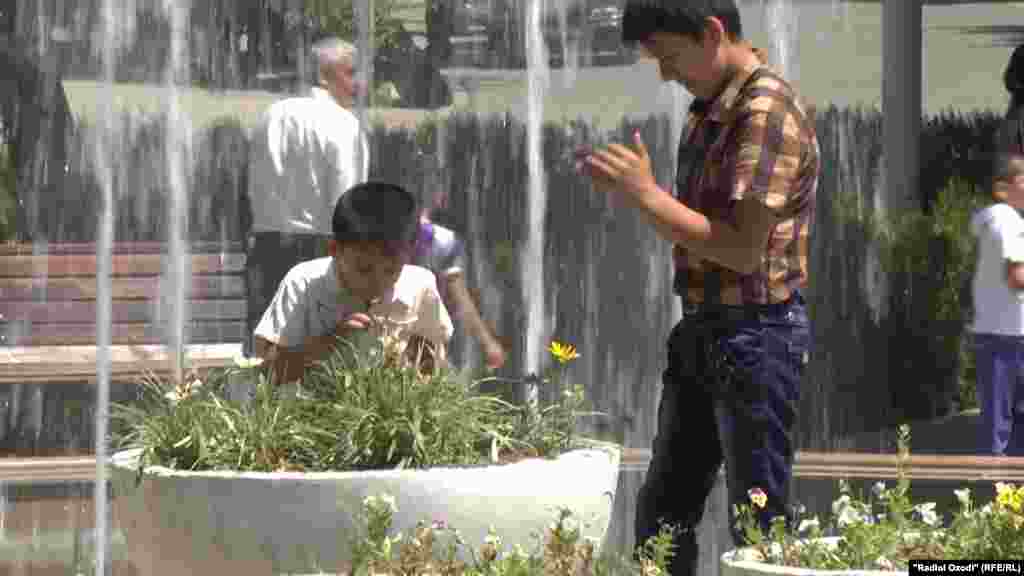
(880, 532)
(270, 482)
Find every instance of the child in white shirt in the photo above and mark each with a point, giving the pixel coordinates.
(999, 311)
(366, 279)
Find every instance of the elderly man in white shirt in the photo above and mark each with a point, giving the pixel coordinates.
(305, 152)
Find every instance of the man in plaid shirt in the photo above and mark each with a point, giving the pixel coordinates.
(748, 167)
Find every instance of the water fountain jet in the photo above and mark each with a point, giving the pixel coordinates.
(177, 150)
(532, 257)
(104, 256)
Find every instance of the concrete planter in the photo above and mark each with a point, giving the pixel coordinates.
(178, 522)
(741, 562)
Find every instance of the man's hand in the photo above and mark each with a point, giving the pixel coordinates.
(622, 169)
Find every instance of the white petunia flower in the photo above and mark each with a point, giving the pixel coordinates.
(849, 515)
(381, 500)
(963, 496)
(878, 489)
(927, 512)
(840, 503)
(808, 524)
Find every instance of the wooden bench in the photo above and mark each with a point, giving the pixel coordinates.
(48, 306)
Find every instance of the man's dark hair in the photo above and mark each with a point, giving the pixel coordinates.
(1013, 77)
(642, 18)
(376, 212)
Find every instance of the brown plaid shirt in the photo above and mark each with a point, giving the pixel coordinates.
(755, 139)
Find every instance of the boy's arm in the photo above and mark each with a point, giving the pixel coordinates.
(1010, 232)
(767, 147)
(1013, 252)
(1015, 275)
(289, 363)
(455, 293)
(283, 337)
(465, 310)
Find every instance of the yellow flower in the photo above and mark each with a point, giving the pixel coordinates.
(758, 497)
(563, 352)
(1008, 496)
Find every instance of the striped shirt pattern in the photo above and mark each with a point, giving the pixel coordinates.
(755, 140)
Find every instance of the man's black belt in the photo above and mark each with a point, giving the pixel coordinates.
(712, 309)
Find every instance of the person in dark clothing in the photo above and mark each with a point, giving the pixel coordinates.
(1010, 135)
(740, 218)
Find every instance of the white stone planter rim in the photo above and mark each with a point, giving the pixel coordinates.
(211, 522)
(128, 459)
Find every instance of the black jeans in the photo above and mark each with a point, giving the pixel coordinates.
(730, 393)
(269, 256)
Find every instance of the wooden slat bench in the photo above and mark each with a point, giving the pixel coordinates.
(806, 465)
(48, 304)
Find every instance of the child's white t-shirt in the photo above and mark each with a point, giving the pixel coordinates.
(310, 303)
(997, 308)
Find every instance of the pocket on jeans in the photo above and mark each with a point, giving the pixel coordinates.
(798, 345)
(788, 352)
(742, 350)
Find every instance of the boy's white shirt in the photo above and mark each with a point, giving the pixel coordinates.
(997, 308)
(309, 303)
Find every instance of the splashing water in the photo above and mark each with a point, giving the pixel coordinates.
(570, 46)
(532, 257)
(781, 21)
(364, 75)
(104, 255)
(177, 149)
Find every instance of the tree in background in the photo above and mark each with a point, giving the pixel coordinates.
(339, 18)
(8, 183)
(7, 174)
(413, 70)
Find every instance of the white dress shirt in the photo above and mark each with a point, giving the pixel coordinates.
(306, 151)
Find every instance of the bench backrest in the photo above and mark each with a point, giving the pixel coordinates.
(49, 296)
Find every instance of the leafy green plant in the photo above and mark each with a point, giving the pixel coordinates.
(193, 425)
(885, 529)
(353, 412)
(929, 258)
(934, 256)
(550, 429)
(433, 548)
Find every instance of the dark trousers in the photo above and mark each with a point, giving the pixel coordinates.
(269, 256)
(729, 394)
(999, 363)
